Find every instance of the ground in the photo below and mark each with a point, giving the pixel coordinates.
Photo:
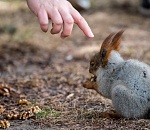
(49, 72)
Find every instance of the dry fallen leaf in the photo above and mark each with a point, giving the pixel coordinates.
(2, 109)
(30, 113)
(24, 115)
(23, 102)
(4, 124)
(35, 110)
(12, 114)
(4, 89)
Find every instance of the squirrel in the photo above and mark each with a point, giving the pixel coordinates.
(125, 82)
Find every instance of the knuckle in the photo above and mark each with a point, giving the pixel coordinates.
(69, 4)
(69, 21)
(58, 23)
(80, 19)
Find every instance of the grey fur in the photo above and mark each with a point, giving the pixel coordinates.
(127, 83)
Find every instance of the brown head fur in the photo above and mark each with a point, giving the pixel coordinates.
(100, 59)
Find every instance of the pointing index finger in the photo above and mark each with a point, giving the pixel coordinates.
(81, 22)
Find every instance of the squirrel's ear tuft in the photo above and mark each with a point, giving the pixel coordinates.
(112, 42)
(117, 40)
(105, 50)
(107, 40)
(106, 43)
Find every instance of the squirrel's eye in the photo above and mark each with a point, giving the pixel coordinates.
(92, 64)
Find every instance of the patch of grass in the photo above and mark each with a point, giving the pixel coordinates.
(46, 112)
(89, 115)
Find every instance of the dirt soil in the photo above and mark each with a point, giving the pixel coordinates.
(49, 72)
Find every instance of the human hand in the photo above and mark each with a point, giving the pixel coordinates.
(62, 14)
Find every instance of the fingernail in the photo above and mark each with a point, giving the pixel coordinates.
(90, 34)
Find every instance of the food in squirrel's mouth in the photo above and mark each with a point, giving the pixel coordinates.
(93, 78)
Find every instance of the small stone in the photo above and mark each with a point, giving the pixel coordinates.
(70, 96)
(69, 58)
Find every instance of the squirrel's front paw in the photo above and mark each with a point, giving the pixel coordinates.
(90, 83)
(87, 84)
